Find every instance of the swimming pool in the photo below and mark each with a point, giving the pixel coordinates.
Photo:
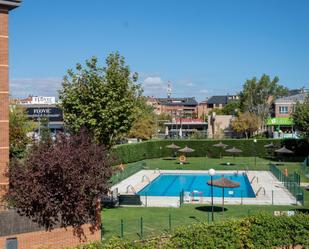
(173, 184)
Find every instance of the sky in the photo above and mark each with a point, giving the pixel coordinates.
(202, 47)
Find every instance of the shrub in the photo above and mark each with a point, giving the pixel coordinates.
(128, 153)
(259, 231)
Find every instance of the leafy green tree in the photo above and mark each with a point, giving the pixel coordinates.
(20, 126)
(144, 125)
(101, 99)
(258, 94)
(231, 108)
(246, 123)
(45, 133)
(301, 117)
(161, 119)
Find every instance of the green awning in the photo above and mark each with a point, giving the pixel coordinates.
(279, 121)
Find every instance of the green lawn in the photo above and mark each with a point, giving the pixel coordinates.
(156, 220)
(201, 163)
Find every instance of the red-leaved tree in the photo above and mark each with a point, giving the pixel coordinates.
(61, 182)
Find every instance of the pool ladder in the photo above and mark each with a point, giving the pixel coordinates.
(157, 170)
(259, 190)
(132, 189)
(146, 177)
(256, 178)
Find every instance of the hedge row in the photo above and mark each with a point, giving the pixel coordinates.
(260, 231)
(128, 153)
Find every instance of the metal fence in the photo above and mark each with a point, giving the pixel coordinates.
(291, 182)
(305, 167)
(128, 171)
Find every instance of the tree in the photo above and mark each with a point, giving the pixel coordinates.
(258, 94)
(246, 123)
(20, 126)
(301, 117)
(231, 108)
(100, 99)
(61, 182)
(144, 125)
(45, 133)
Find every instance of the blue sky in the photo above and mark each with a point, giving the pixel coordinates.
(203, 47)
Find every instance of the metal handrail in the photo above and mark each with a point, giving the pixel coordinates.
(132, 189)
(260, 189)
(145, 176)
(256, 178)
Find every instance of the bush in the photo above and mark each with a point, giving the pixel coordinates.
(260, 231)
(128, 153)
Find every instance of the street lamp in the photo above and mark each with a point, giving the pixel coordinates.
(254, 141)
(212, 172)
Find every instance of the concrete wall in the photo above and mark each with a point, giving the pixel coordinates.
(221, 126)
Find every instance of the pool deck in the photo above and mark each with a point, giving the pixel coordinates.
(275, 193)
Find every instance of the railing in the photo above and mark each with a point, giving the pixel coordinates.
(157, 170)
(145, 177)
(132, 189)
(259, 190)
(254, 178)
(291, 182)
(305, 167)
(128, 171)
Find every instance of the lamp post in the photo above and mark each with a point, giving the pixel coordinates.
(254, 141)
(212, 172)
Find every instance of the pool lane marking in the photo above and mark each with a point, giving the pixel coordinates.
(170, 185)
(191, 183)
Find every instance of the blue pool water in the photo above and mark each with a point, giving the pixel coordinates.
(173, 184)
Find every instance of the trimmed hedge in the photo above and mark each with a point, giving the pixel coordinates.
(128, 153)
(260, 231)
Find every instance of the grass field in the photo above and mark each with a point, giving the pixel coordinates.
(156, 220)
(202, 163)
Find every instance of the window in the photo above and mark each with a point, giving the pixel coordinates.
(283, 109)
(11, 243)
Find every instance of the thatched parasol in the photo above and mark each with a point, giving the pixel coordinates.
(284, 150)
(174, 147)
(221, 146)
(186, 150)
(223, 183)
(271, 145)
(234, 151)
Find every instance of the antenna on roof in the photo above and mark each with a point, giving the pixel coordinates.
(169, 89)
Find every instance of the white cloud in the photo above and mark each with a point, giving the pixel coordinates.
(204, 91)
(23, 87)
(153, 82)
(154, 86)
(190, 84)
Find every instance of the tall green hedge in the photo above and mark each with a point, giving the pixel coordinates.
(128, 153)
(260, 231)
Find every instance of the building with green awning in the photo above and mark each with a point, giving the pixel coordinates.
(280, 121)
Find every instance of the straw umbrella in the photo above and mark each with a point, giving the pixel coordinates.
(223, 183)
(221, 146)
(234, 151)
(283, 151)
(174, 147)
(186, 150)
(268, 146)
